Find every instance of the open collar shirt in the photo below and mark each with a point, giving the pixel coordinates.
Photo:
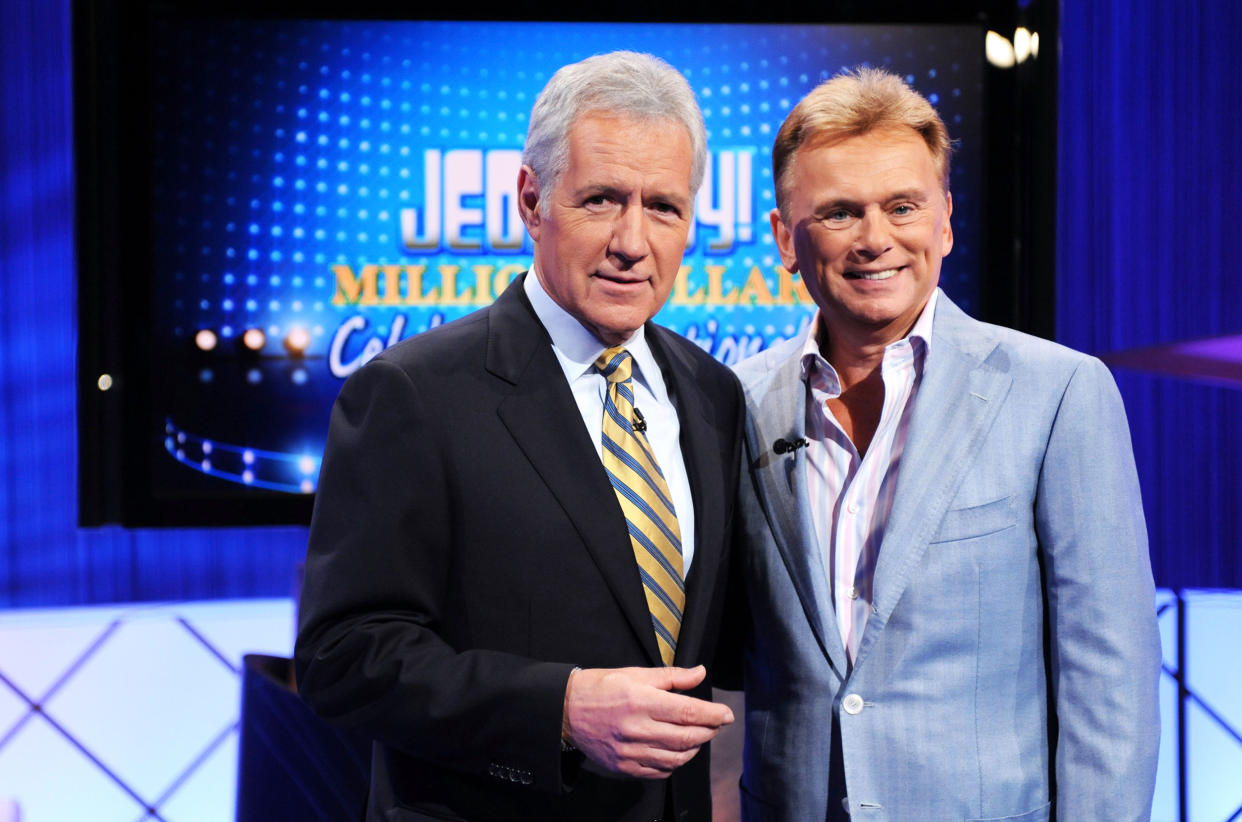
(852, 495)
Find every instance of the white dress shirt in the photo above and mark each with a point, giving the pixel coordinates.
(577, 349)
(852, 496)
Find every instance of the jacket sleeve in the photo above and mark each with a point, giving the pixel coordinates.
(1104, 644)
(372, 652)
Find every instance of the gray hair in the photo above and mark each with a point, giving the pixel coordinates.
(626, 83)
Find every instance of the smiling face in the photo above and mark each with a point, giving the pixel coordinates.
(609, 242)
(868, 224)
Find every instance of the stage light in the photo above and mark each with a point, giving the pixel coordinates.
(999, 50)
(105, 382)
(254, 339)
(1023, 44)
(206, 339)
(1005, 53)
(297, 341)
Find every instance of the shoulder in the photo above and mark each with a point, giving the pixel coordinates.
(436, 344)
(428, 368)
(757, 372)
(689, 361)
(1028, 359)
(1047, 386)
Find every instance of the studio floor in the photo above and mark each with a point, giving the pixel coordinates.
(130, 712)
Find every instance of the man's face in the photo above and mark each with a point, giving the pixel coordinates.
(610, 244)
(868, 226)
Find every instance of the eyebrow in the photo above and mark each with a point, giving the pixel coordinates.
(608, 189)
(917, 195)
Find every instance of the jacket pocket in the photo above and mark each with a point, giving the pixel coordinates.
(1040, 814)
(977, 521)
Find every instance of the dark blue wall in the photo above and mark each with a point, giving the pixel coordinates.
(1149, 222)
(1149, 175)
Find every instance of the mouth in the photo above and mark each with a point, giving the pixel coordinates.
(873, 276)
(619, 279)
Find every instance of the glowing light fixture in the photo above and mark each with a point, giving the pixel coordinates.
(297, 341)
(254, 339)
(1005, 53)
(999, 50)
(206, 339)
(1021, 44)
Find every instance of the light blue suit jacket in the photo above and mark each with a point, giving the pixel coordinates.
(1009, 667)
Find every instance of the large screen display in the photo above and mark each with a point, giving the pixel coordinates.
(322, 189)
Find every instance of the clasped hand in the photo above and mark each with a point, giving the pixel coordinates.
(630, 721)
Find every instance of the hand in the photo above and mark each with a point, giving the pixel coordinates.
(629, 721)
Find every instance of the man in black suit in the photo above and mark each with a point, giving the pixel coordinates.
(477, 595)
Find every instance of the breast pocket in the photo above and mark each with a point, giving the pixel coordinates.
(978, 520)
(1040, 814)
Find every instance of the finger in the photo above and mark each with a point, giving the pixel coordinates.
(678, 738)
(678, 709)
(653, 763)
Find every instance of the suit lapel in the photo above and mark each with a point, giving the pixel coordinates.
(699, 445)
(956, 404)
(544, 421)
(781, 484)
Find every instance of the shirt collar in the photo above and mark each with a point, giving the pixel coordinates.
(576, 348)
(921, 333)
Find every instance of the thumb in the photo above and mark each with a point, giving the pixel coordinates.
(676, 679)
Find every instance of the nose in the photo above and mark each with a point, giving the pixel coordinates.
(629, 235)
(873, 237)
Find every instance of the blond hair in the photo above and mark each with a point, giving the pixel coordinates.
(850, 105)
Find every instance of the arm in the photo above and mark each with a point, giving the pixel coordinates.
(372, 651)
(1104, 644)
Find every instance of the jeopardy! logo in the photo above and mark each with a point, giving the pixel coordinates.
(470, 203)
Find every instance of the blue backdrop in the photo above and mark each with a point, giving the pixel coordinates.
(1150, 108)
(1148, 210)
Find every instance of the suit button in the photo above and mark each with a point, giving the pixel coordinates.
(853, 704)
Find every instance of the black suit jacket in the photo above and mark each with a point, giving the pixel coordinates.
(467, 551)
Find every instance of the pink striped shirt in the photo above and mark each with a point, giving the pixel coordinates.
(851, 497)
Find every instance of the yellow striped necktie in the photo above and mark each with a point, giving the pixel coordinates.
(645, 500)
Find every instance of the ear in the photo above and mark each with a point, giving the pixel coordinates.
(528, 201)
(784, 241)
(947, 243)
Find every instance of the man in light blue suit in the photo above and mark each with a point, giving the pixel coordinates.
(950, 597)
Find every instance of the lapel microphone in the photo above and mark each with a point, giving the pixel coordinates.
(640, 424)
(784, 446)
